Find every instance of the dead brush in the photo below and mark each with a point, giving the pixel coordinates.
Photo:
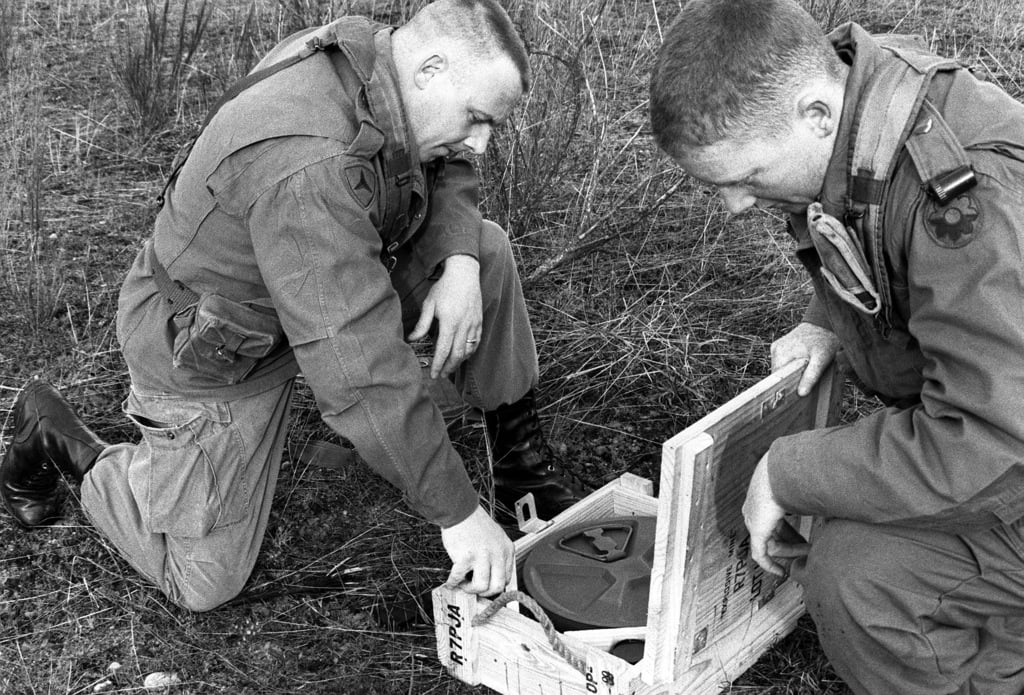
(293, 15)
(153, 62)
(299, 14)
(567, 162)
(32, 273)
(8, 34)
(246, 37)
(829, 13)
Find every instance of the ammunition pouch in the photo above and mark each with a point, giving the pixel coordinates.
(223, 339)
(215, 336)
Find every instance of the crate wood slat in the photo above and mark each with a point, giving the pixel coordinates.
(711, 613)
(511, 654)
(706, 585)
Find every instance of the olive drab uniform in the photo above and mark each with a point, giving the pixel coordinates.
(916, 575)
(300, 234)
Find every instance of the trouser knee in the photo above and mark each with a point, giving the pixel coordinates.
(909, 610)
(207, 595)
(858, 588)
(838, 577)
(497, 263)
(504, 367)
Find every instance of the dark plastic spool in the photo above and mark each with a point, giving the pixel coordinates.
(595, 574)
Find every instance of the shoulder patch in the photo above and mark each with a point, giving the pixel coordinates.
(362, 182)
(955, 224)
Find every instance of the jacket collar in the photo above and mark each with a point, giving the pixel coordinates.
(367, 46)
(862, 53)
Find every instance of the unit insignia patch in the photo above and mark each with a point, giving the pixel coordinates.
(362, 182)
(953, 225)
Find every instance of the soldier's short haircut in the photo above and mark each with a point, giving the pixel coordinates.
(483, 25)
(730, 69)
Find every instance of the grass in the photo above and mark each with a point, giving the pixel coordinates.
(154, 60)
(650, 307)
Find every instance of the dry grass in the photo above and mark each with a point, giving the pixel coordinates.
(154, 59)
(650, 307)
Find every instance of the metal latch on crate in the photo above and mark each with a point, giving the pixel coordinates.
(526, 515)
(773, 402)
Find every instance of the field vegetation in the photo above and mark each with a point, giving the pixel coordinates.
(650, 304)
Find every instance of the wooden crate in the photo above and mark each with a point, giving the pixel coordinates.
(712, 611)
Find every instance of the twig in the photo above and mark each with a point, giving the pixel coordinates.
(583, 246)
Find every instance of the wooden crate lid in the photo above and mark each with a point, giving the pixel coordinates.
(703, 582)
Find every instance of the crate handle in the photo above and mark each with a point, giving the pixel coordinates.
(554, 639)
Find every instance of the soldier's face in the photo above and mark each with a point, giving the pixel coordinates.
(783, 170)
(457, 103)
(784, 173)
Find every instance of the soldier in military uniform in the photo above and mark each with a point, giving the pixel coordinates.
(903, 176)
(325, 216)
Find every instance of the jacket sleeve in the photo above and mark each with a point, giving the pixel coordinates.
(455, 221)
(956, 460)
(319, 255)
(815, 314)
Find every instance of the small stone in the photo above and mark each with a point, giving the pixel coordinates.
(160, 681)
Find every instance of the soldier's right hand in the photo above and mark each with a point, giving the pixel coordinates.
(481, 553)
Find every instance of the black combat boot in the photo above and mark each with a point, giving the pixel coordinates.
(524, 463)
(49, 438)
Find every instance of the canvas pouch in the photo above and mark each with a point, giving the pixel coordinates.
(223, 339)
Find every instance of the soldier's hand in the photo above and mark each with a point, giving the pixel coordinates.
(457, 305)
(787, 545)
(813, 343)
(762, 515)
(481, 554)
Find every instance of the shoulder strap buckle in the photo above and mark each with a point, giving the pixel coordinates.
(945, 187)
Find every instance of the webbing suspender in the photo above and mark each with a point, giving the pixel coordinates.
(312, 46)
(888, 115)
(176, 293)
(396, 164)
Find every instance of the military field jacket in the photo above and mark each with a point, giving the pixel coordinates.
(954, 458)
(280, 204)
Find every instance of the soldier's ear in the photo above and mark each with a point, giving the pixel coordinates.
(819, 111)
(430, 68)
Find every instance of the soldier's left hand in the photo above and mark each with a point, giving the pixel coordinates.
(815, 344)
(456, 303)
